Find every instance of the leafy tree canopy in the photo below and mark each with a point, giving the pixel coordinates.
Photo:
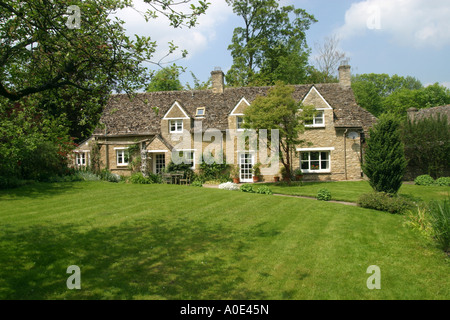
(271, 45)
(166, 79)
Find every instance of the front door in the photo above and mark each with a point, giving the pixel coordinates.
(159, 163)
(246, 162)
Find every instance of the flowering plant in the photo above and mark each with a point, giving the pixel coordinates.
(229, 186)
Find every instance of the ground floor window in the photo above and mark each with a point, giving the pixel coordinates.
(81, 159)
(122, 157)
(315, 161)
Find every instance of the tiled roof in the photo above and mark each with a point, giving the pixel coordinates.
(137, 116)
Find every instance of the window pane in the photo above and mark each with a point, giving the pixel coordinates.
(315, 165)
(305, 165)
(324, 165)
(315, 155)
(305, 156)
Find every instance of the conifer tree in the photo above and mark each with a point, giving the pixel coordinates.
(385, 161)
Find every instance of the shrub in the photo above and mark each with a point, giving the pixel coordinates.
(443, 182)
(424, 180)
(138, 178)
(197, 183)
(385, 161)
(433, 220)
(385, 202)
(107, 175)
(87, 176)
(324, 195)
(229, 186)
(440, 222)
(247, 188)
(264, 190)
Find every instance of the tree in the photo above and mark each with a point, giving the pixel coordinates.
(328, 58)
(39, 51)
(403, 99)
(166, 79)
(279, 111)
(56, 75)
(269, 34)
(385, 161)
(373, 91)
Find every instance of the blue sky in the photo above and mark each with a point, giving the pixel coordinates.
(404, 37)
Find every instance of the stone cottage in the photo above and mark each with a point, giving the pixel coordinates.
(157, 122)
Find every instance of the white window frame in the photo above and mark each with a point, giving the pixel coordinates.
(81, 159)
(320, 160)
(198, 114)
(178, 124)
(317, 125)
(155, 162)
(238, 127)
(123, 153)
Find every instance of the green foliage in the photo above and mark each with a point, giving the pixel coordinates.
(166, 79)
(424, 180)
(279, 110)
(440, 222)
(108, 176)
(138, 178)
(381, 93)
(427, 145)
(186, 168)
(214, 171)
(271, 46)
(433, 220)
(264, 190)
(93, 56)
(385, 162)
(385, 202)
(253, 189)
(197, 183)
(443, 181)
(247, 188)
(324, 195)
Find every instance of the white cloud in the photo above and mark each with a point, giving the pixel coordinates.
(194, 40)
(416, 23)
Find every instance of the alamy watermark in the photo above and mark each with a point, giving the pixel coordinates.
(74, 281)
(208, 146)
(374, 20)
(74, 19)
(374, 281)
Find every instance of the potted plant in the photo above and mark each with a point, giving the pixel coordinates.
(298, 174)
(256, 172)
(276, 178)
(235, 174)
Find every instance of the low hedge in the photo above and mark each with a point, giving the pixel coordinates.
(384, 202)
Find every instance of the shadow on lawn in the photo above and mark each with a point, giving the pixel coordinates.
(135, 261)
(37, 190)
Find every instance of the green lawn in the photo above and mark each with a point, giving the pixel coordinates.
(351, 190)
(178, 242)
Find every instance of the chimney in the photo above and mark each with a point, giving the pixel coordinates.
(345, 77)
(218, 80)
(411, 112)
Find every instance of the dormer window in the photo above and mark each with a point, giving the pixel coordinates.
(176, 126)
(200, 112)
